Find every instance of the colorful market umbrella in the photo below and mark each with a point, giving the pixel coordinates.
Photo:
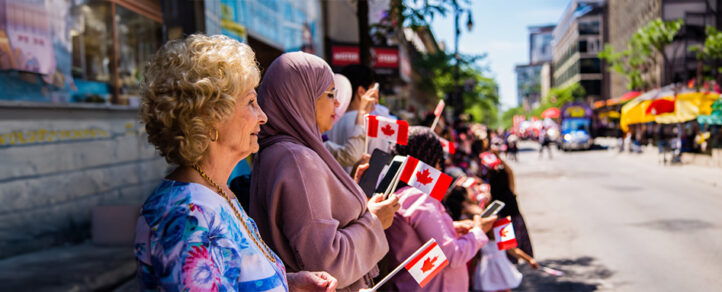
(551, 112)
(714, 118)
(688, 106)
(625, 97)
(660, 106)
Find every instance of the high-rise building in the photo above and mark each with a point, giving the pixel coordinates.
(578, 38)
(529, 76)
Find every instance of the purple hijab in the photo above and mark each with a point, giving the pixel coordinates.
(288, 97)
(307, 208)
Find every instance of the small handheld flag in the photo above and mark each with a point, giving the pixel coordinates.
(449, 147)
(423, 265)
(489, 160)
(388, 129)
(437, 112)
(439, 108)
(425, 178)
(504, 234)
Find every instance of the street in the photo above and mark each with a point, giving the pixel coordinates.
(618, 222)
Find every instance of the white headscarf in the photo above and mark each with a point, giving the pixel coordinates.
(343, 94)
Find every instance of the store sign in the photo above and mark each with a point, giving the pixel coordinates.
(347, 55)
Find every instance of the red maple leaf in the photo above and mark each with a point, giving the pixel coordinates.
(443, 145)
(388, 130)
(423, 177)
(428, 264)
(503, 232)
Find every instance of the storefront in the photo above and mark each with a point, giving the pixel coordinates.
(70, 138)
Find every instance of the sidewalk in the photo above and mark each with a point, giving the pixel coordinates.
(650, 157)
(84, 267)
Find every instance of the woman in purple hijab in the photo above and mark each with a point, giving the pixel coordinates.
(308, 209)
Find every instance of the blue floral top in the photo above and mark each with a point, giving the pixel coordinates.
(188, 239)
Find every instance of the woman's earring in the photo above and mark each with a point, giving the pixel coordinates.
(214, 138)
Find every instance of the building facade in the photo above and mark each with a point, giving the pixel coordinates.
(530, 81)
(578, 38)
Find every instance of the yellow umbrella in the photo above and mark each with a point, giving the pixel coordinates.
(633, 111)
(688, 106)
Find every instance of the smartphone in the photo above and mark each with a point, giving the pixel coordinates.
(492, 209)
(379, 159)
(394, 170)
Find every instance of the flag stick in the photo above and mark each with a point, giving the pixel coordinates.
(366, 135)
(402, 265)
(433, 125)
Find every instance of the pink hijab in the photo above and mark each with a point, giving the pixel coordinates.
(306, 207)
(288, 97)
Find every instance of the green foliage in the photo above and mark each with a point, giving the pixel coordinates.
(712, 49)
(639, 56)
(557, 97)
(507, 118)
(480, 92)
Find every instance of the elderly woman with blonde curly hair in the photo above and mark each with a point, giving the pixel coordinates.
(199, 109)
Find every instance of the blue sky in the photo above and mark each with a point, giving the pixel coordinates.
(500, 30)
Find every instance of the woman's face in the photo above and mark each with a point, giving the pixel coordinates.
(325, 108)
(240, 132)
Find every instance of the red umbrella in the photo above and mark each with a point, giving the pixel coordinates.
(551, 112)
(660, 106)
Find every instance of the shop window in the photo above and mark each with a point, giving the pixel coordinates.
(92, 47)
(138, 38)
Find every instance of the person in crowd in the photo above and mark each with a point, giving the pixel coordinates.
(495, 272)
(503, 188)
(310, 211)
(351, 151)
(544, 142)
(362, 80)
(199, 109)
(421, 218)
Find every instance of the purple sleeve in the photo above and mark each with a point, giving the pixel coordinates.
(430, 222)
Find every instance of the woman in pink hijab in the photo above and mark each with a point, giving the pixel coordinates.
(311, 212)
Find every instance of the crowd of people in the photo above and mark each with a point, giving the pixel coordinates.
(304, 223)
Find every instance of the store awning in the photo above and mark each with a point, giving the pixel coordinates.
(688, 106)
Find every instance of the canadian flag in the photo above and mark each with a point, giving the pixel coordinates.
(425, 178)
(489, 159)
(439, 108)
(504, 234)
(389, 129)
(427, 263)
(449, 147)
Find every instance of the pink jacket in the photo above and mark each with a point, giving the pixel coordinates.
(419, 219)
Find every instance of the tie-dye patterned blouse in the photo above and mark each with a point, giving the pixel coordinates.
(188, 239)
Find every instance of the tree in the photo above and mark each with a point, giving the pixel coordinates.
(640, 54)
(710, 51)
(480, 92)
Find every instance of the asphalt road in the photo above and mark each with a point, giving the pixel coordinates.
(618, 222)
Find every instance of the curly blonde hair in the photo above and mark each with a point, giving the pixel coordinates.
(189, 87)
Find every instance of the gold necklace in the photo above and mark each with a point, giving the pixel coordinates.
(265, 249)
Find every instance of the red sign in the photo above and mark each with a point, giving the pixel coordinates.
(347, 55)
(344, 55)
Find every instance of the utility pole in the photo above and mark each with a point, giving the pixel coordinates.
(457, 100)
